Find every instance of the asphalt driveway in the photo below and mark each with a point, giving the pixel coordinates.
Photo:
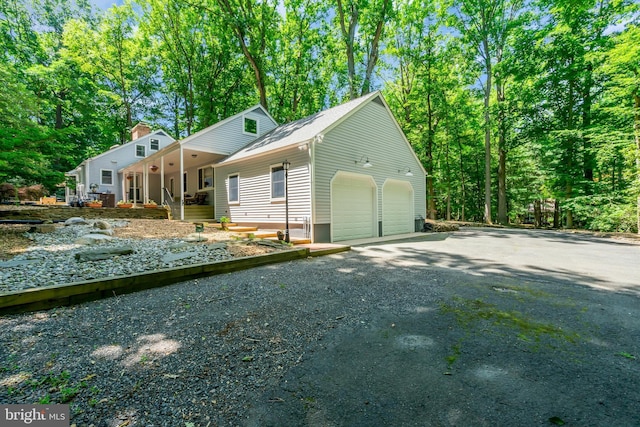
(481, 327)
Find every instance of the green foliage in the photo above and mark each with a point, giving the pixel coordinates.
(552, 89)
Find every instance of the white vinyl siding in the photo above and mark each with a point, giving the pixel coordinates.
(255, 195)
(370, 132)
(229, 136)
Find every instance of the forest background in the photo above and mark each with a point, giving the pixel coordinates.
(509, 104)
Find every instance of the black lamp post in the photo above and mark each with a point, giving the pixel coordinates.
(285, 165)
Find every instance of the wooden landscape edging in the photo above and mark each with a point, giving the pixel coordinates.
(68, 294)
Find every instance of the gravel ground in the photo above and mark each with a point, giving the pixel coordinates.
(412, 333)
(44, 259)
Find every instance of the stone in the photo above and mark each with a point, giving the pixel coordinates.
(18, 262)
(214, 246)
(171, 257)
(107, 232)
(75, 220)
(102, 225)
(102, 254)
(92, 239)
(195, 237)
(43, 228)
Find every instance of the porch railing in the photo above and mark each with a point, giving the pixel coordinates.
(168, 201)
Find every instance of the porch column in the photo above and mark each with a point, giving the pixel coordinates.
(146, 184)
(181, 184)
(162, 180)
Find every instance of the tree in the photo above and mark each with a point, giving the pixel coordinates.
(120, 57)
(361, 24)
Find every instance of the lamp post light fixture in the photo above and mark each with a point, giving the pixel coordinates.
(286, 165)
(366, 164)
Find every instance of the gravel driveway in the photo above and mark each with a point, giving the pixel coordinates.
(478, 327)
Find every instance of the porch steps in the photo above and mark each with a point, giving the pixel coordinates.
(198, 212)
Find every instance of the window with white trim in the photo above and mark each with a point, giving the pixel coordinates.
(205, 178)
(234, 188)
(140, 151)
(106, 177)
(277, 183)
(250, 126)
(154, 144)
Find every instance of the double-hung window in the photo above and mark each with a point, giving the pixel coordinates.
(154, 144)
(140, 151)
(106, 177)
(277, 183)
(234, 188)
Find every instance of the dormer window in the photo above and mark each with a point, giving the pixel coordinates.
(154, 144)
(250, 126)
(140, 151)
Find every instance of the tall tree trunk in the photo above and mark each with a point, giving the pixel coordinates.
(487, 136)
(462, 185)
(636, 128)
(502, 153)
(349, 36)
(586, 123)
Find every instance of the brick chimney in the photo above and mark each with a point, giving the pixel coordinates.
(140, 130)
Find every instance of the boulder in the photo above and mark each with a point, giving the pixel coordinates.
(102, 225)
(171, 257)
(76, 220)
(92, 239)
(195, 237)
(43, 228)
(102, 254)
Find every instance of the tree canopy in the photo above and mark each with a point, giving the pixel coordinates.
(512, 106)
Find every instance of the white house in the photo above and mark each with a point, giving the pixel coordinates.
(344, 173)
(351, 174)
(99, 177)
(185, 168)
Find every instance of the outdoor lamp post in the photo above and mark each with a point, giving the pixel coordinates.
(285, 165)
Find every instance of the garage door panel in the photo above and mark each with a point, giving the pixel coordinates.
(352, 205)
(397, 208)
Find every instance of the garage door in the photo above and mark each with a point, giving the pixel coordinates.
(352, 207)
(397, 208)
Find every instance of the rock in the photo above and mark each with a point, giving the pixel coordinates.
(171, 257)
(92, 239)
(17, 262)
(76, 220)
(268, 243)
(43, 228)
(102, 225)
(102, 254)
(195, 237)
(214, 246)
(107, 232)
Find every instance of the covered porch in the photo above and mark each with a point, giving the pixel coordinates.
(180, 176)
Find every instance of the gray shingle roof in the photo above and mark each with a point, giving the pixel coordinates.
(299, 131)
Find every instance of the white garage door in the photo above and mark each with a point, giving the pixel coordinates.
(352, 207)
(397, 208)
